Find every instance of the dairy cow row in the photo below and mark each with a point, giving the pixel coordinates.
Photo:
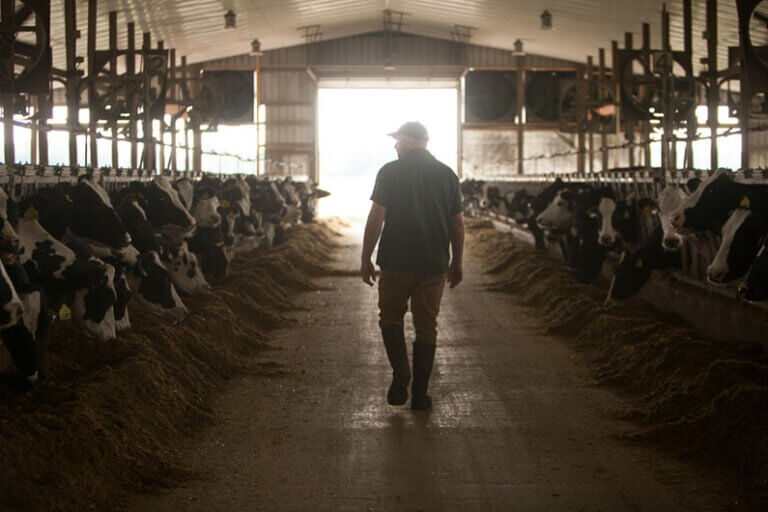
(75, 252)
(587, 220)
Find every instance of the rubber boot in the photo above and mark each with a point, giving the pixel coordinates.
(423, 358)
(394, 342)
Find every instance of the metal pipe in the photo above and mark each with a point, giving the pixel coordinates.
(92, 4)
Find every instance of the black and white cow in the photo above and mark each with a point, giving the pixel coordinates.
(164, 210)
(518, 206)
(710, 205)
(206, 208)
(47, 260)
(183, 267)
(572, 214)
(754, 288)
(635, 268)
(83, 211)
(152, 287)
(23, 325)
(92, 308)
(186, 190)
(210, 249)
(742, 236)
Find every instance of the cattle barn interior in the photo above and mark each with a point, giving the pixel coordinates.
(184, 192)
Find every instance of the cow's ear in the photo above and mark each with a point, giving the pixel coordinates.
(692, 184)
(648, 206)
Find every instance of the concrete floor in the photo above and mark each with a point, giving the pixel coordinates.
(517, 423)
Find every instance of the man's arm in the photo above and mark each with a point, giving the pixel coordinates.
(372, 232)
(456, 272)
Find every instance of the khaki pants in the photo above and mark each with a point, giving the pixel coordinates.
(424, 291)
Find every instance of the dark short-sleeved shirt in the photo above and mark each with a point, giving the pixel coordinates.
(421, 196)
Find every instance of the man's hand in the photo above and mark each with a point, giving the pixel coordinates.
(368, 272)
(455, 275)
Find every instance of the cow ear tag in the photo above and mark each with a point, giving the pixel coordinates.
(31, 214)
(69, 198)
(745, 203)
(65, 313)
(144, 272)
(648, 210)
(204, 196)
(225, 203)
(639, 263)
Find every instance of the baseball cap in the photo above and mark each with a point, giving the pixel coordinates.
(412, 129)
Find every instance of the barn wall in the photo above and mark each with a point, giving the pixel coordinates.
(288, 91)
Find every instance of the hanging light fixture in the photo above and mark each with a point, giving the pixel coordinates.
(546, 20)
(518, 46)
(229, 19)
(256, 47)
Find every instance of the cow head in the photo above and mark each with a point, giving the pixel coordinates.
(561, 212)
(90, 213)
(153, 287)
(632, 273)
(755, 285)
(163, 207)
(206, 208)
(670, 199)
(135, 220)
(11, 308)
(93, 309)
(238, 192)
(183, 267)
(9, 240)
(742, 236)
(186, 190)
(708, 207)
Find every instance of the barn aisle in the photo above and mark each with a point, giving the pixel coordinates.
(517, 424)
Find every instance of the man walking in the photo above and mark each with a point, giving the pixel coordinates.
(418, 201)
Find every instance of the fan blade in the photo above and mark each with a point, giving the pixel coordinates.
(26, 49)
(23, 14)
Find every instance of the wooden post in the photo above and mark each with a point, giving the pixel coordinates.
(113, 76)
(667, 138)
(520, 105)
(7, 15)
(745, 102)
(147, 121)
(43, 107)
(580, 136)
(602, 92)
(713, 99)
(173, 100)
(94, 160)
(73, 77)
(588, 88)
(161, 167)
(691, 122)
(130, 64)
(459, 134)
(646, 126)
(630, 129)
(186, 120)
(33, 132)
(258, 119)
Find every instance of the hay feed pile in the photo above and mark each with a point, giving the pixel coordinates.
(107, 422)
(705, 398)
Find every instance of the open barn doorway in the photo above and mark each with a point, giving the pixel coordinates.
(352, 131)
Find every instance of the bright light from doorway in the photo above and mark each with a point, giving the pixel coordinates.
(353, 128)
